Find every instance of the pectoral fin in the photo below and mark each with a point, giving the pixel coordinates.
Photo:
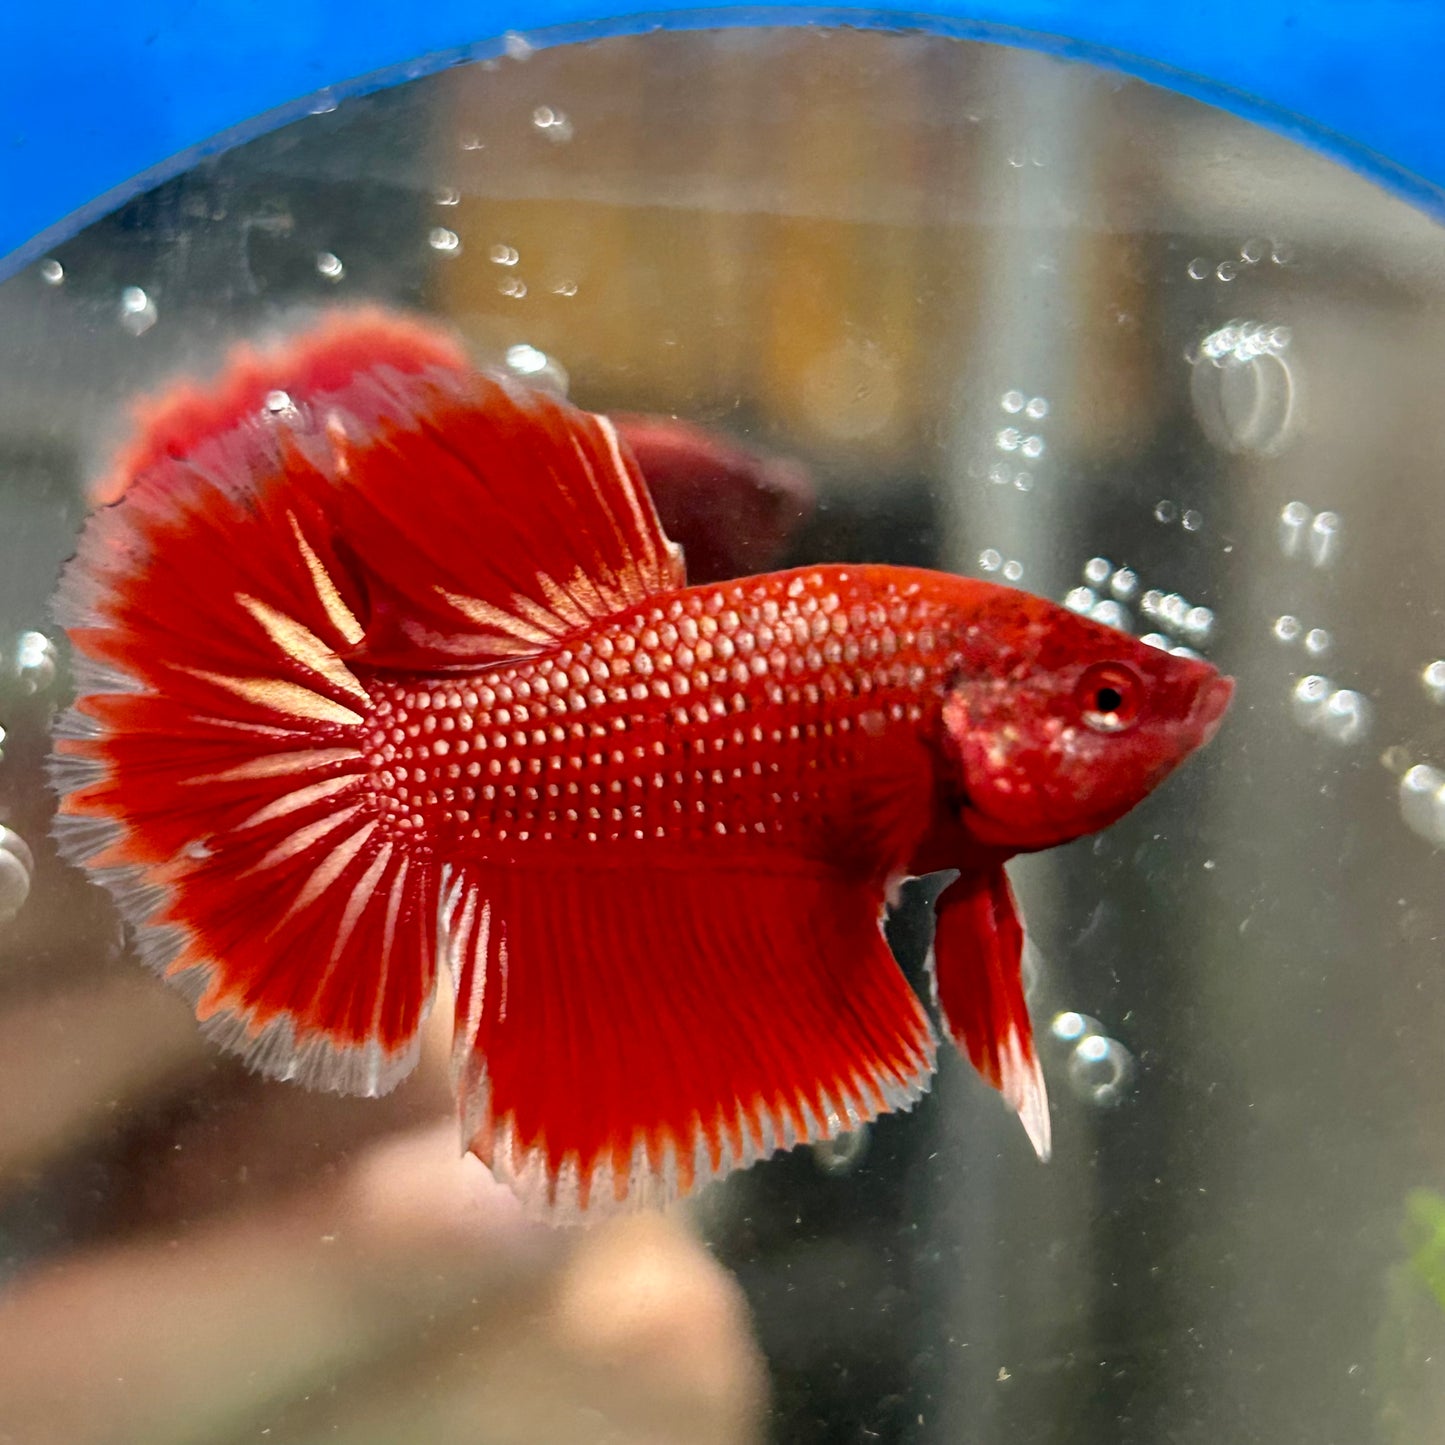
(978, 984)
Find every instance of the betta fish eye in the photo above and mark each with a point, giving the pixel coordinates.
(1109, 695)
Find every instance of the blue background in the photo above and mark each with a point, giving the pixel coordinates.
(100, 100)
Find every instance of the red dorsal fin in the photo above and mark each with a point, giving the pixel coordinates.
(489, 521)
(478, 520)
(358, 496)
(627, 1033)
(977, 961)
(320, 362)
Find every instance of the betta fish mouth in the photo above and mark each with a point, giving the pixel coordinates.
(1211, 702)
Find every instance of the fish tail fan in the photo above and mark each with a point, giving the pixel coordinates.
(978, 986)
(219, 769)
(627, 1033)
(284, 548)
(216, 773)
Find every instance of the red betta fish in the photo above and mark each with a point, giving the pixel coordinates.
(385, 665)
(731, 510)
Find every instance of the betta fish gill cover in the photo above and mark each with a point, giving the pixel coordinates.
(722, 726)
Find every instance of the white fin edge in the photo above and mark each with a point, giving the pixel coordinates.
(1024, 1091)
(647, 1187)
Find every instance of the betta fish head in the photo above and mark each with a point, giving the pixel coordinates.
(1057, 725)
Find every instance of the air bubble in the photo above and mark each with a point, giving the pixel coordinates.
(34, 662)
(439, 238)
(1008, 439)
(1165, 512)
(52, 272)
(137, 311)
(1012, 402)
(1340, 714)
(1433, 677)
(540, 369)
(1173, 609)
(17, 867)
(1013, 571)
(1111, 614)
(1287, 628)
(1317, 642)
(1294, 520)
(1345, 717)
(1252, 252)
(553, 124)
(526, 360)
(990, 559)
(998, 474)
(1281, 253)
(1023, 481)
(1101, 1070)
(1242, 388)
(1396, 759)
(840, 1155)
(1192, 521)
(1097, 570)
(1032, 447)
(513, 286)
(1226, 270)
(1324, 538)
(565, 288)
(448, 196)
(1309, 697)
(279, 404)
(1240, 342)
(516, 47)
(329, 265)
(1422, 802)
(1069, 1027)
(1038, 408)
(1082, 600)
(1198, 622)
(1124, 584)
(1156, 639)
(503, 255)
(1198, 269)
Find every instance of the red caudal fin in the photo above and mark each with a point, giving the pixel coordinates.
(219, 767)
(627, 1033)
(977, 958)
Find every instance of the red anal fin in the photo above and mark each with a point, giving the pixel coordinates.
(627, 1033)
(977, 973)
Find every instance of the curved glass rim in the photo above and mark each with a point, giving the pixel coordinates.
(40, 179)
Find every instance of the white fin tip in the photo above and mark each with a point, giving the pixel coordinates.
(1022, 1085)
